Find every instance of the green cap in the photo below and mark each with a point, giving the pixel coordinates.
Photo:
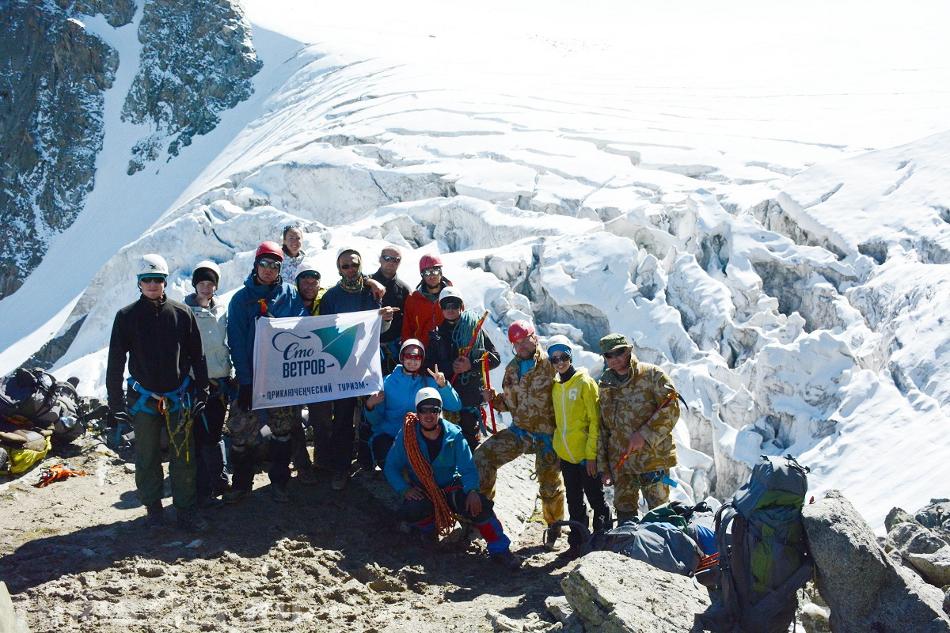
(614, 341)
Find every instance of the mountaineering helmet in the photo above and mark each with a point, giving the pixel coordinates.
(449, 292)
(152, 265)
(428, 395)
(269, 249)
(429, 261)
(410, 345)
(520, 330)
(206, 270)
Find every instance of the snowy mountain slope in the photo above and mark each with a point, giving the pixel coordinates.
(661, 171)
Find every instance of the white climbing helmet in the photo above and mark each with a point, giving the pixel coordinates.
(152, 265)
(428, 393)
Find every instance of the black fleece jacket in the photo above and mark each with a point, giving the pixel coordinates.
(162, 343)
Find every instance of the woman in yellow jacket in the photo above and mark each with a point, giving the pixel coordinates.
(577, 418)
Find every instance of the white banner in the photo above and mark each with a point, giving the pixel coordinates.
(298, 360)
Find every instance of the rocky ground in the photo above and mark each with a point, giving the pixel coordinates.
(76, 556)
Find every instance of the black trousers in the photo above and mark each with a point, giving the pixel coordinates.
(381, 444)
(577, 484)
(210, 478)
(342, 434)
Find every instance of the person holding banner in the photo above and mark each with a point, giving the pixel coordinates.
(460, 343)
(386, 410)
(396, 294)
(263, 295)
(430, 465)
(352, 293)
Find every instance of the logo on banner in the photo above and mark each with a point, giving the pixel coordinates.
(301, 356)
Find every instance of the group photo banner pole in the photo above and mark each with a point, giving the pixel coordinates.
(299, 360)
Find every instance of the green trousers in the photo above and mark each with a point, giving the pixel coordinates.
(148, 460)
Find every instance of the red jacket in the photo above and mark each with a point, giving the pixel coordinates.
(421, 316)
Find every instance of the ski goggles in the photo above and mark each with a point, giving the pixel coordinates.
(269, 264)
(432, 272)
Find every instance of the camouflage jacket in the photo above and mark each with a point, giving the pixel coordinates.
(625, 407)
(529, 398)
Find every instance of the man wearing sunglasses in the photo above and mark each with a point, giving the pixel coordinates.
(263, 295)
(527, 384)
(353, 293)
(423, 313)
(638, 409)
(451, 473)
(395, 297)
(162, 342)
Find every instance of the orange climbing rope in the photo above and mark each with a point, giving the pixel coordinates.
(444, 517)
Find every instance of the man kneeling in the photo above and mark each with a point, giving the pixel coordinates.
(430, 465)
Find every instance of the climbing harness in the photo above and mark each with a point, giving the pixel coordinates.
(167, 403)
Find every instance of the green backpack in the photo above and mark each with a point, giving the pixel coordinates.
(763, 554)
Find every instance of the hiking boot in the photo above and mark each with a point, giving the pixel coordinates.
(307, 477)
(340, 479)
(235, 495)
(506, 559)
(279, 493)
(191, 522)
(154, 515)
(551, 535)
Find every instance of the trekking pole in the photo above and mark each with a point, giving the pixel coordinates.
(465, 351)
(486, 380)
(623, 458)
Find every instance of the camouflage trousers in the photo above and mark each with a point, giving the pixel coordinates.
(505, 446)
(629, 486)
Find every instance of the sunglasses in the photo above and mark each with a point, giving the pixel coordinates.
(392, 258)
(308, 276)
(560, 358)
(348, 266)
(615, 353)
(433, 408)
(152, 280)
(431, 272)
(269, 264)
(451, 305)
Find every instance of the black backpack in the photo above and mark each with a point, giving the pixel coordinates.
(35, 399)
(763, 554)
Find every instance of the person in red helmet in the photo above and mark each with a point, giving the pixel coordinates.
(527, 385)
(422, 313)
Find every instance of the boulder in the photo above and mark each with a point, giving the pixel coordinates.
(10, 622)
(935, 515)
(865, 590)
(895, 516)
(615, 594)
(924, 550)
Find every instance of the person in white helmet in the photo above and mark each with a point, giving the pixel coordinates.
(433, 467)
(161, 340)
(212, 318)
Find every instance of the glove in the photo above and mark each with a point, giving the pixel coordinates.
(119, 416)
(197, 409)
(244, 398)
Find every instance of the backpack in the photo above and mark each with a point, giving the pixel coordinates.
(763, 554)
(21, 450)
(32, 398)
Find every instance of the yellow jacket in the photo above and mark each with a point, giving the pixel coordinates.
(577, 416)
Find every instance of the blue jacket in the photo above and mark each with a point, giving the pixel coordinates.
(244, 310)
(454, 460)
(401, 389)
(339, 301)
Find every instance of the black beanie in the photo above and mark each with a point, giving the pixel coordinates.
(204, 274)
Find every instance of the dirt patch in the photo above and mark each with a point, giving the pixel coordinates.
(77, 556)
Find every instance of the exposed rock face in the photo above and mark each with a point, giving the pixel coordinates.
(923, 549)
(864, 588)
(612, 594)
(52, 77)
(197, 60)
(116, 12)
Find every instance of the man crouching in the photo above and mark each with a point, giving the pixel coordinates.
(431, 466)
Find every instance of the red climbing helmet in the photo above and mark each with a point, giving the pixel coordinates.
(269, 249)
(429, 261)
(520, 330)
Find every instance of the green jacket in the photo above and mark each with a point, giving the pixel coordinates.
(577, 416)
(625, 408)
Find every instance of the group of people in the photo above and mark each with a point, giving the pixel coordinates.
(191, 372)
